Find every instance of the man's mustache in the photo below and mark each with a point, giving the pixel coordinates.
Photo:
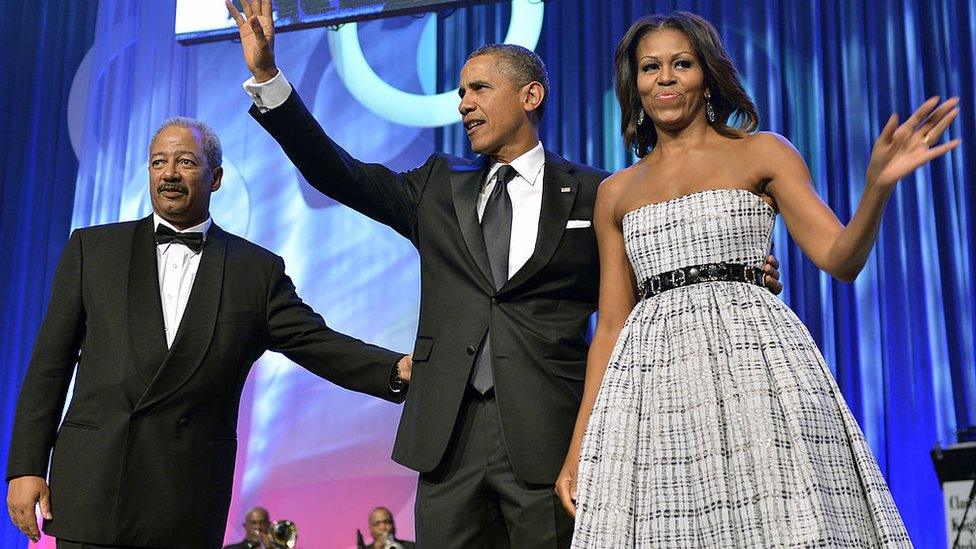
(172, 187)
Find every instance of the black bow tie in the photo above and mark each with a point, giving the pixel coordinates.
(165, 235)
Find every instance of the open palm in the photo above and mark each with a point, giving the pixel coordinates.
(256, 28)
(901, 149)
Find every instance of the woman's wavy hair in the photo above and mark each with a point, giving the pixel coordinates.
(735, 113)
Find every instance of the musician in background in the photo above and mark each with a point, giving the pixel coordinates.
(256, 523)
(383, 530)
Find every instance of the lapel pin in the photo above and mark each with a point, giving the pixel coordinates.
(566, 190)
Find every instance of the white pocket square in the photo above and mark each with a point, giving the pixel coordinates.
(578, 224)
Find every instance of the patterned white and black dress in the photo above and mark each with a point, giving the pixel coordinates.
(718, 423)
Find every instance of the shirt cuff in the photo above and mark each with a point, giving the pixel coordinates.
(269, 94)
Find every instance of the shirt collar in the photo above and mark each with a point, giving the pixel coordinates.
(198, 228)
(529, 165)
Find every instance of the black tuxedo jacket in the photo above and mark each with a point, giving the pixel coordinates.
(538, 319)
(145, 455)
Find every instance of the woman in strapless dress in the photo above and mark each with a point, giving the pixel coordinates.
(709, 418)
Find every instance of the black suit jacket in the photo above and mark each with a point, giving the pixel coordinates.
(538, 319)
(145, 455)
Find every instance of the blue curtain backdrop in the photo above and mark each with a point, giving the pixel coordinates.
(44, 43)
(826, 74)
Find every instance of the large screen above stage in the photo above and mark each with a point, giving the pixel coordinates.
(204, 20)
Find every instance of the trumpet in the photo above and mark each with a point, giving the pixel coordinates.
(283, 534)
(391, 542)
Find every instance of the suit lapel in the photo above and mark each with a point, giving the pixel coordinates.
(197, 326)
(557, 203)
(466, 181)
(147, 332)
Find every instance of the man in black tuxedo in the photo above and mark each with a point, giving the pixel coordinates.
(508, 283)
(168, 314)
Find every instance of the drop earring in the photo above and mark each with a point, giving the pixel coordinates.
(709, 110)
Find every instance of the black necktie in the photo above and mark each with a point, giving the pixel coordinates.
(496, 226)
(165, 235)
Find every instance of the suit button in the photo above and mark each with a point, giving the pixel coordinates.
(470, 350)
(183, 422)
(494, 301)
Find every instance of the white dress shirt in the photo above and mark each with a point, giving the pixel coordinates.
(525, 188)
(177, 266)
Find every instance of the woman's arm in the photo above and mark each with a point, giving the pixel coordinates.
(617, 299)
(900, 149)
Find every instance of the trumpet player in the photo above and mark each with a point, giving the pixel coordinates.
(256, 523)
(383, 530)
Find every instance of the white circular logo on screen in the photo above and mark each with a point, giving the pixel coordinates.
(412, 109)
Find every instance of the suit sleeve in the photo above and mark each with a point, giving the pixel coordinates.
(55, 355)
(371, 189)
(303, 336)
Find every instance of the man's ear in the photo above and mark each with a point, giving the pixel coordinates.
(533, 95)
(218, 175)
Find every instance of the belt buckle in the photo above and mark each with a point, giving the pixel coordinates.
(655, 284)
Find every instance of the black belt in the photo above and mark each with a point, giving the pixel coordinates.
(709, 272)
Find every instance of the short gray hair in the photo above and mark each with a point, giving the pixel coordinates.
(522, 64)
(210, 141)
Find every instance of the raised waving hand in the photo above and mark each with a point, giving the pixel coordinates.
(256, 28)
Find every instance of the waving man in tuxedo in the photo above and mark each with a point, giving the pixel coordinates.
(509, 276)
